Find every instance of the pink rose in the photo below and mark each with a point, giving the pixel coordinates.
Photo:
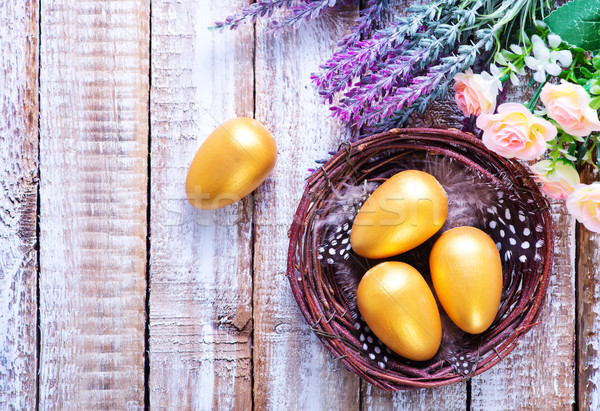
(559, 182)
(569, 105)
(515, 132)
(584, 204)
(476, 93)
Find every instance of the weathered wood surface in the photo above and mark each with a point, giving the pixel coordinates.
(539, 374)
(18, 197)
(223, 330)
(454, 397)
(201, 261)
(439, 114)
(93, 189)
(451, 398)
(588, 315)
(291, 367)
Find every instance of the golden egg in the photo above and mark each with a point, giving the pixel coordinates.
(399, 307)
(233, 160)
(401, 214)
(466, 271)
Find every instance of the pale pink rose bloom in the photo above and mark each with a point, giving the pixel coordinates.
(476, 93)
(559, 182)
(515, 132)
(569, 105)
(584, 204)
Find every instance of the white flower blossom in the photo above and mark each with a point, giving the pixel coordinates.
(554, 40)
(545, 60)
(491, 80)
(516, 49)
(495, 70)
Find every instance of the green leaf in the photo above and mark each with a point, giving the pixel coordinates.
(595, 103)
(508, 55)
(572, 149)
(577, 23)
(586, 73)
(501, 60)
(583, 149)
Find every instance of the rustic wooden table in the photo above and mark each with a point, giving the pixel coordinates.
(116, 294)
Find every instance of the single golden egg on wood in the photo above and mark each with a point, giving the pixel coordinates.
(399, 307)
(233, 160)
(401, 214)
(466, 271)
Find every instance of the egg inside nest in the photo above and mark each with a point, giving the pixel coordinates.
(473, 200)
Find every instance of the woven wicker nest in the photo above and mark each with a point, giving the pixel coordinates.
(327, 304)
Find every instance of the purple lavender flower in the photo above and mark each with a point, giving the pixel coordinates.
(260, 8)
(370, 19)
(392, 68)
(389, 66)
(302, 10)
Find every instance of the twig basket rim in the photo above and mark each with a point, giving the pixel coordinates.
(327, 318)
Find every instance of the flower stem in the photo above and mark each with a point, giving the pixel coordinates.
(536, 96)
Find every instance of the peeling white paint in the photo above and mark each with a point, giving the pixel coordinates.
(18, 196)
(589, 320)
(539, 373)
(200, 259)
(293, 368)
(93, 180)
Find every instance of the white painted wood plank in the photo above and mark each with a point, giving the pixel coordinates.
(18, 197)
(292, 368)
(453, 397)
(539, 374)
(442, 114)
(449, 398)
(588, 316)
(201, 278)
(93, 165)
(588, 327)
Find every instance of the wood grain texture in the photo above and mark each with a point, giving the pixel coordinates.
(443, 114)
(539, 374)
(449, 398)
(292, 369)
(201, 276)
(93, 166)
(588, 314)
(18, 198)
